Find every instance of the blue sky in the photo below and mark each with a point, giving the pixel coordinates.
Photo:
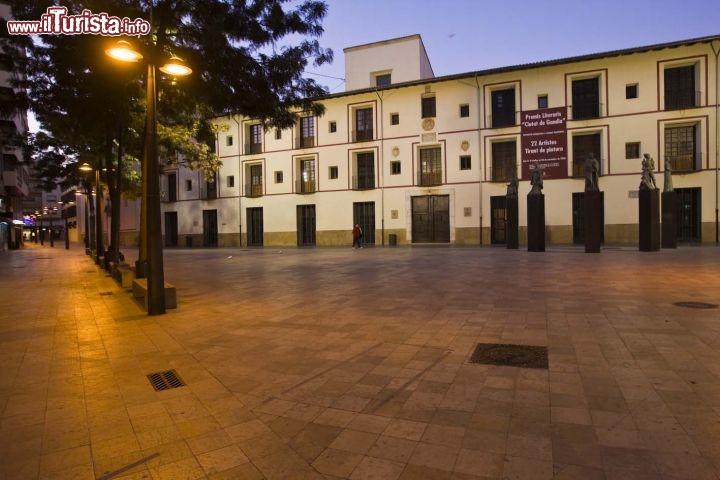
(466, 35)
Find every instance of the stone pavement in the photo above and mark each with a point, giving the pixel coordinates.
(342, 363)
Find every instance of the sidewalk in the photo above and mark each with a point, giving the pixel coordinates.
(344, 363)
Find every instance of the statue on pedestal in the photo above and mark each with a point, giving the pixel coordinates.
(668, 187)
(592, 169)
(647, 181)
(536, 181)
(512, 187)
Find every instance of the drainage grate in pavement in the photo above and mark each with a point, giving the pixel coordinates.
(165, 380)
(524, 356)
(105, 294)
(698, 305)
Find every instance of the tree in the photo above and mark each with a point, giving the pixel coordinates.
(248, 57)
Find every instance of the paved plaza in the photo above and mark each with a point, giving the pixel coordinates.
(340, 363)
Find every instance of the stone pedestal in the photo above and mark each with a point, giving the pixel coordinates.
(593, 220)
(536, 222)
(511, 221)
(669, 220)
(649, 220)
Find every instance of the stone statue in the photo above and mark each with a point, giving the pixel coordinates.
(512, 187)
(536, 181)
(668, 187)
(647, 182)
(592, 169)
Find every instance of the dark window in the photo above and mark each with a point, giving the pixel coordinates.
(430, 167)
(255, 139)
(278, 176)
(395, 168)
(278, 134)
(382, 80)
(188, 185)
(681, 148)
(229, 140)
(230, 181)
(428, 107)
(307, 132)
(465, 163)
(172, 187)
(680, 88)
(333, 173)
(365, 178)
(631, 91)
(504, 161)
(363, 124)
(586, 98)
(332, 127)
(632, 150)
(503, 108)
(584, 145)
(542, 101)
(465, 110)
(394, 119)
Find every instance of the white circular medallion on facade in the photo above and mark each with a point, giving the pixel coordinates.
(465, 145)
(428, 124)
(395, 151)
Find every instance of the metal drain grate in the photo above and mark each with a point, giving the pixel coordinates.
(165, 380)
(524, 356)
(105, 294)
(697, 305)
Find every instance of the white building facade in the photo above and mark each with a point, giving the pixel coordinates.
(415, 158)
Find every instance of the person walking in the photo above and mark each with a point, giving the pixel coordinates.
(357, 236)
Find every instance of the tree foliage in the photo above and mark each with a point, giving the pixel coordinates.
(247, 57)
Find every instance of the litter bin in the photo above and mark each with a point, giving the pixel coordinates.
(392, 240)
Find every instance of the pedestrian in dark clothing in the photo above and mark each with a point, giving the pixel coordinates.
(357, 236)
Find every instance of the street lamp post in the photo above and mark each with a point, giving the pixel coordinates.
(65, 218)
(150, 234)
(52, 211)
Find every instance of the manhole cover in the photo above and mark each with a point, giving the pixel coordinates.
(105, 294)
(698, 305)
(524, 356)
(165, 380)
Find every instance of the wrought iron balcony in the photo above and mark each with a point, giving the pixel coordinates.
(363, 182)
(362, 135)
(305, 186)
(429, 179)
(253, 148)
(254, 190)
(304, 142)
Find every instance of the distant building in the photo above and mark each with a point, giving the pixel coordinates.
(415, 158)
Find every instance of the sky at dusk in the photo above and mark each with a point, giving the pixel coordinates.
(467, 35)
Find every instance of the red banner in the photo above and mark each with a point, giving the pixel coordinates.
(543, 141)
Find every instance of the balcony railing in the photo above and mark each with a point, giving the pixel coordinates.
(584, 111)
(429, 179)
(254, 190)
(253, 148)
(685, 163)
(503, 119)
(363, 182)
(304, 142)
(305, 186)
(208, 191)
(362, 135)
(682, 99)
